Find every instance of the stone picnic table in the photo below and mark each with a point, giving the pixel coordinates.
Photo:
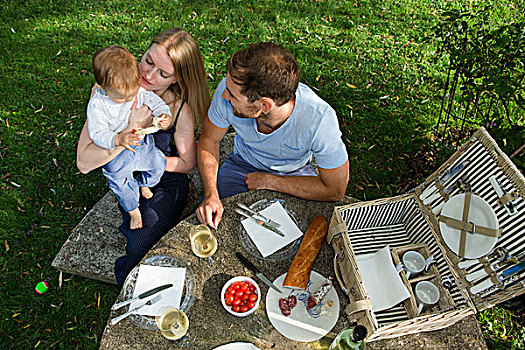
(212, 326)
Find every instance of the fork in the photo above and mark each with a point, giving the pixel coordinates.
(117, 319)
(259, 215)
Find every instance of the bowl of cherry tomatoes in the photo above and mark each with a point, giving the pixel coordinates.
(240, 296)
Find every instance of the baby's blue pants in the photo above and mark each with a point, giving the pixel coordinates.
(130, 170)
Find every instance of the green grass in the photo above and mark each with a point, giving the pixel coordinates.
(369, 59)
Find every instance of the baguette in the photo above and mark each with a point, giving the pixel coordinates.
(299, 272)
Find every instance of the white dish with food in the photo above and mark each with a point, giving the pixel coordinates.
(302, 324)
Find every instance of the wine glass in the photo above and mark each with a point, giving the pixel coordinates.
(203, 242)
(172, 322)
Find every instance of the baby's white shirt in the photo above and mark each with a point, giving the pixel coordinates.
(107, 118)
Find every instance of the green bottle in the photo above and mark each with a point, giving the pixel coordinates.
(350, 339)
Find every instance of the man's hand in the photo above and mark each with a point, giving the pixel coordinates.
(329, 185)
(127, 139)
(258, 181)
(209, 212)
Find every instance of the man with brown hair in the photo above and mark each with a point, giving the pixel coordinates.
(280, 125)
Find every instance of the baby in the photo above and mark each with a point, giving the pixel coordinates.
(117, 74)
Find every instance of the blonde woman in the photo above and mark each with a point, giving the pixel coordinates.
(172, 67)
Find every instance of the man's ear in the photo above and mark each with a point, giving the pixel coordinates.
(266, 104)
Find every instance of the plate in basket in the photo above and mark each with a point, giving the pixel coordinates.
(188, 294)
(284, 253)
(480, 214)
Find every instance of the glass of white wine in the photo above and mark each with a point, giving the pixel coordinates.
(172, 322)
(203, 242)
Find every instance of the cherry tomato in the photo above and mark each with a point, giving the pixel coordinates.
(229, 299)
(232, 291)
(244, 308)
(236, 301)
(239, 293)
(245, 287)
(236, 285)
(235, 308)
(245, 296)
(253, 297)
(250, 304)
(252, 288)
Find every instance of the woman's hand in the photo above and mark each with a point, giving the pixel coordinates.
(139, 118)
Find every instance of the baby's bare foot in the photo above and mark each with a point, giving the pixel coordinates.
(146, 192)
(136, 219)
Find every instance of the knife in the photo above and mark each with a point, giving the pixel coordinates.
(443, 177)
(483, 282)
(507, 274)
(256, 271)
(150, 302)
(259, 222)
(142, 296)
(436, 195)
(511, 208)
(259, 215)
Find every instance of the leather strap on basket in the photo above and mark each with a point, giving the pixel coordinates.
(490, 271)
(507, 197)
(441, 189)
(464, 226)
(361, 305)
(470, 227)
(335, 230)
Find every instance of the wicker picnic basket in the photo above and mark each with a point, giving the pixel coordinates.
(405, 223)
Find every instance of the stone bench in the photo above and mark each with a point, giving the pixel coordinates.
(95, 244)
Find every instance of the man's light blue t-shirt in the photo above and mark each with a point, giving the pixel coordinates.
(311, 129)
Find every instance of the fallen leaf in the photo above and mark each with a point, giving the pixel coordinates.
(60, 280)
(7, 122)
(15, 184)
(59, 52)
(12, 30)
(6, 248)
(352, 86)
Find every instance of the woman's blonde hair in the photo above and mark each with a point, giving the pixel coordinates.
(191, 85)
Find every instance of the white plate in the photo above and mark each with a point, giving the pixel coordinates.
(480, 214)
(302, 325)
(237, 346)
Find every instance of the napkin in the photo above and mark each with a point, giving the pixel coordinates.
(149, 277)
(382, 282)
(269, 242)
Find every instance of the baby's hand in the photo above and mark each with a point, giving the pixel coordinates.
(127, 139)
(164, 121)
